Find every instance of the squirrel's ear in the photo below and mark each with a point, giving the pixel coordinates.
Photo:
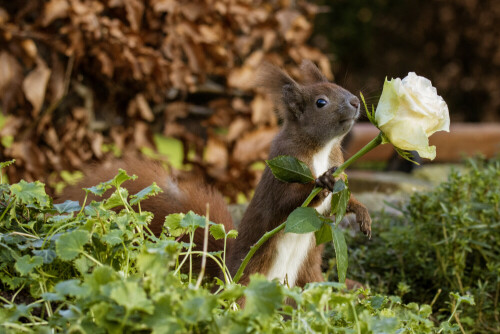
(311, 73)
(287, 94)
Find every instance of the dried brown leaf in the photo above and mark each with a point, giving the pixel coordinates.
(53, 10)
(35, 85)
(254, 146)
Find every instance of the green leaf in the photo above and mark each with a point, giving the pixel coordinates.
(263, 297)
(6, 163)
(340, 252)
(461, 299)
(173, 224)
(233, 234)
(70, 245)
(340, 200)
(100, 277)
(26, 264)
(192, 221)
(131, 296)
(324, 234)
(115, 200)
(145, 193)
(31, 192)
(289, 169)
(71, 287)
(370, 115)
(407, 155)
(303, 220)
(48, 255)
(99, 189)
(218, 231)
(67, 207)
(114, 237)
(121, 177)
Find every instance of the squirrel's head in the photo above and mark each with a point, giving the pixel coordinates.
(317, 107)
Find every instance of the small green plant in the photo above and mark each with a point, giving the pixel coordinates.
(87, 268)
(445, 240)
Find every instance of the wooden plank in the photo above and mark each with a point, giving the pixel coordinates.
(463, 139)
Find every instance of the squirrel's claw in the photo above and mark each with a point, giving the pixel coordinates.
(362, 218)
(326, 180)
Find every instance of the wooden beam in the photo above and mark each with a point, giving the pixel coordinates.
(464, 139)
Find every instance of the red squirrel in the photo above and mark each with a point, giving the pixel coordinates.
(316, 116)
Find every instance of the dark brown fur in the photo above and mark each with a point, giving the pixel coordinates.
(178, 196)
(306, 130)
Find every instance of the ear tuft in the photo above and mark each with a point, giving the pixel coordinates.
(286, 93)
(310, 73)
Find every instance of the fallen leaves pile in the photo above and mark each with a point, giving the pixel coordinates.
(83, 80)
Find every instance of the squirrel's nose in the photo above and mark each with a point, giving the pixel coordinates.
(354, 101)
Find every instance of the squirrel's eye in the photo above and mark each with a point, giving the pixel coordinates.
(320, 103)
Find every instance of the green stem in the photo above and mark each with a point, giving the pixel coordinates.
(368, 147)
(254, 248)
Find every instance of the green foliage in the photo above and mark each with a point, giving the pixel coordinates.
(289, 169)
(444, 241)
(303, 220)
(340, 252)
(97, 270)
(340, 198)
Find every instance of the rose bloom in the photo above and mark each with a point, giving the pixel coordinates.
(409, 111)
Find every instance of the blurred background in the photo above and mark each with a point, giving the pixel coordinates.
(89, 80)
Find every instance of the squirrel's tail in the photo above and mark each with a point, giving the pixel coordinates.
(178, 196)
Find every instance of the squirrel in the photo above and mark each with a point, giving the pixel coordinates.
(316, 115)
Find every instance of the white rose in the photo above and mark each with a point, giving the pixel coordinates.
(409, 111)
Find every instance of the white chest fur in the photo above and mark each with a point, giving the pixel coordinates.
(291, 251)
(321, 163)
(291, 248)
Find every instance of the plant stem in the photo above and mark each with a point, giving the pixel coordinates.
(368, 147)
(254, 248)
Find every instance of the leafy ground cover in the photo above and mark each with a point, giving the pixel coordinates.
(444, 240)
(87, 268)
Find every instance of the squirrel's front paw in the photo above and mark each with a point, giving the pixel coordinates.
(326, 180)
(362, 217)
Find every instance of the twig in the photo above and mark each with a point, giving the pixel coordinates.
(205, 247)
(459, 324)
(435, 297)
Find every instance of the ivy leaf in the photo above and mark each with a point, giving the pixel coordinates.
(289, 169)
(218, 231)
(71, 287)
(114, 237)
(99, 189)
(173, 224)
(69, 245)
(100, 276)
(131, 296)
(121, 177)
(340, 198)
(145, 193)
(340, 252)
(192, 221)
(263, 297)
(117, 198)
(26, 264)
(303, 220)
(324, 234)
(233, 234)
(48, 255)
(67, 207)
(6, 163)
(466, 298)
(31, 192)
